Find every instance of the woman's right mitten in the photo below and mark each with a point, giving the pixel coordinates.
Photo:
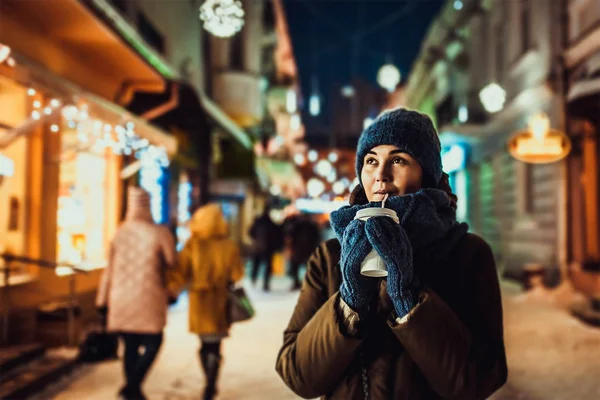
(356, 290)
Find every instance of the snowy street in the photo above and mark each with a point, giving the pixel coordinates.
(249, 355)
(551, 355)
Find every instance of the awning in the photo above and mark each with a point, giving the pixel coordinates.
(190, 113)
(99, 54)
(27, 72)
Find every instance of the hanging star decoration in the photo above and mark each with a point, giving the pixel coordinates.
(222, 18)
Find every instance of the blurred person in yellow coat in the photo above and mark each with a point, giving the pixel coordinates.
(208, 264)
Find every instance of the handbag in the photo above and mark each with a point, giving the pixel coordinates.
(239, 307)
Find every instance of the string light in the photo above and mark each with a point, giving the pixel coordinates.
(5, 56)
(95, 134)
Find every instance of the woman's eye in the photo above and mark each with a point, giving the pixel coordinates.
(370, 161)
(399, 160)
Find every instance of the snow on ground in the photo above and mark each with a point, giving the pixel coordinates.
(248, 370)
(551, 355)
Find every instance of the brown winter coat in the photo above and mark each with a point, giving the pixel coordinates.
(208, 263)
(133, 286)
(450, 347)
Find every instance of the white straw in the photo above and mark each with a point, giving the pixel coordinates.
(384, 199)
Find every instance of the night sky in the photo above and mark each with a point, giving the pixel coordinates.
(329, 46)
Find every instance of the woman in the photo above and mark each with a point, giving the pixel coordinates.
(433, 328)
(209, 263)
(133, 288)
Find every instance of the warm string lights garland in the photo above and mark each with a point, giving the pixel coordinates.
(97, 135)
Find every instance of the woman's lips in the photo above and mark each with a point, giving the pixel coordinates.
(382, 192)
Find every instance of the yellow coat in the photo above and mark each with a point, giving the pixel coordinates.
(208, 263)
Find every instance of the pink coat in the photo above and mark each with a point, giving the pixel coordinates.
(133, 286)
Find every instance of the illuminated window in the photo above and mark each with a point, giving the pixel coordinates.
(81, 214)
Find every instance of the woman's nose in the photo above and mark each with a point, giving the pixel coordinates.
(382, 174)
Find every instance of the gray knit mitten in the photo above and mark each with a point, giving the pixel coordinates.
(391, 242)
(356, 290)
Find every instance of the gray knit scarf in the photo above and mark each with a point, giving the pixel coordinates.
(427, 216)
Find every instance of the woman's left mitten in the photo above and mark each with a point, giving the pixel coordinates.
(393, 245)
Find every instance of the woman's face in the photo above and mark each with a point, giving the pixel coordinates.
(387, 169)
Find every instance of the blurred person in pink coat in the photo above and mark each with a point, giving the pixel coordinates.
(133, 288)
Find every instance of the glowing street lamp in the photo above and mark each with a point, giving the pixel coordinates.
(315, 187)
(314, 105)
(492, 97)
(291, 103)
(388, 77)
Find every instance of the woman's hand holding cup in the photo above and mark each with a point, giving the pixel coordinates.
(391, 242)
(356, 290)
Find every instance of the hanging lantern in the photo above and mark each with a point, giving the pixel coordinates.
(388, 77)
(539, 143)
(222, 18)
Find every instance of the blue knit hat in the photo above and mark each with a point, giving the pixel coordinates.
(410, 131)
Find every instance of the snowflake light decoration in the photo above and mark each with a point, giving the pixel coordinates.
(222, 18)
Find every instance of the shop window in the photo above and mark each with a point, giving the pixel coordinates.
(460, 188)
(154, 179)
(14, 179)
(81, 216)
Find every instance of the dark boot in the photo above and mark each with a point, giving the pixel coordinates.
(211, 362)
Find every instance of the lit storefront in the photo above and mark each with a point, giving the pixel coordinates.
(184, 203)
(13, 173)
(66, 149)
(154, 178)
(454, 162)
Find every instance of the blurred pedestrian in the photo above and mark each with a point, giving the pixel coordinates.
(302, 238)
(133, 288)
(208, 265)
(268, 239)
(433, 328)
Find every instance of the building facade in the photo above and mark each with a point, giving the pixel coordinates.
(518, 208)
(64, 143)
(581, 42)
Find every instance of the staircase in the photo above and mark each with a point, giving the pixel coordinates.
(27, 369)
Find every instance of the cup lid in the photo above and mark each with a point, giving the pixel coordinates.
(376, 212)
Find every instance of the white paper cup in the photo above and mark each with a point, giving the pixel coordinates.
(373, 265)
